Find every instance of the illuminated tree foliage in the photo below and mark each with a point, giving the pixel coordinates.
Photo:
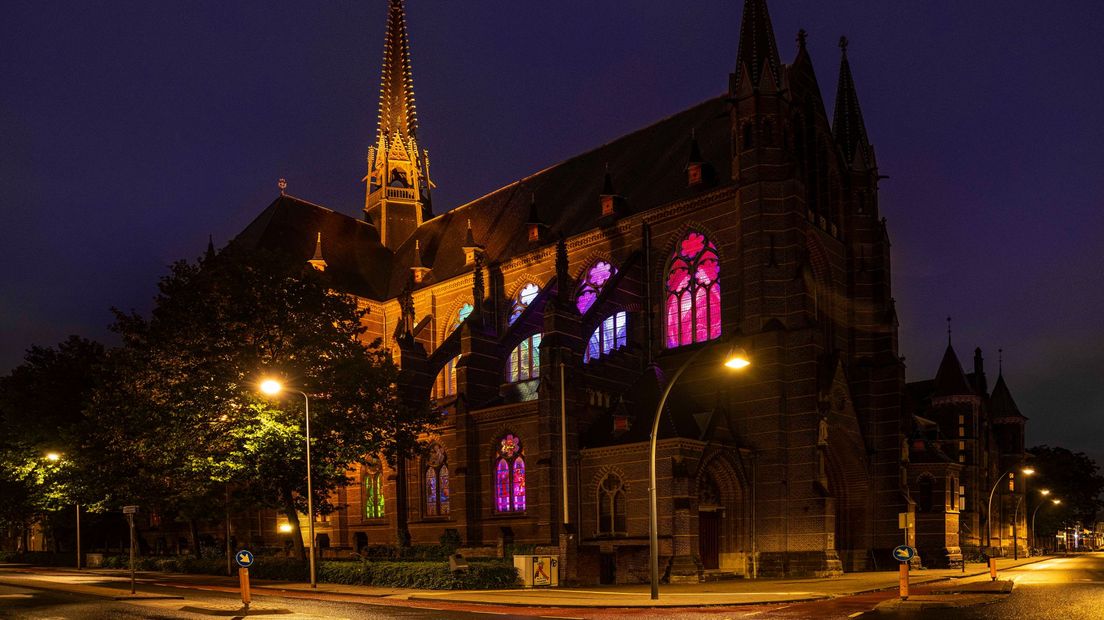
(179, 421)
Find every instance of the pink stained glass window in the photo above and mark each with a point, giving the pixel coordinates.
(519, 484)
(502, 486)
(509, 476)
(596, 278)
(693, 292)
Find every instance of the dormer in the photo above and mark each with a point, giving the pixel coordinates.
(472, 250)
(417, 269)
(537, 230)
(317, 261)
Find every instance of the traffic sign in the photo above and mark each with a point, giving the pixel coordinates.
(904, 553)
(130, 510)
(244, 558)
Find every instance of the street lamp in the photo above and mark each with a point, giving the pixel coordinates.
(273, 387)
(736, 358)
(1041, 504)
(1027, 471)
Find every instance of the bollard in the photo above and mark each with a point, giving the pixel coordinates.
(243, 578)
(904, 581)
(993, 569)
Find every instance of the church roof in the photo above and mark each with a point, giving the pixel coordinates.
(1001, 405)
(650, 168)
(950, 380)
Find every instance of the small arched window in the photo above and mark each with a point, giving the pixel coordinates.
(461, 315)
(373, 489)
(437, 482)
(524, 297)
(693, 292)
(509, 473)
(749, 135)
(611, 334)
(524, 361)
(591, 286)
(611, 505)
(445, 384)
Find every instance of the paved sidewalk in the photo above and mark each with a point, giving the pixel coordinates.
(114, 583)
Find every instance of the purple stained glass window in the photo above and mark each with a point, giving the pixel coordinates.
(693, 303)
(436, 482)
(443, 486)
(431, 491)
(509, 476)
(611, 334)
(591, 287)
(525, 297)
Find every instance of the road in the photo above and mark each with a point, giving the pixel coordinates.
(1069, 588)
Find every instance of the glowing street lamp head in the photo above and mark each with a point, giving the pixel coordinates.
(271, 387)
(737, 358)
(53, 456)
(285, 528)
(1044, 492)
(1028, 471)
(1056, 501)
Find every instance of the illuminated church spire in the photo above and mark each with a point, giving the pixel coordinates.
(398, 187)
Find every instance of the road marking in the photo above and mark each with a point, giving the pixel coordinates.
(856, 614)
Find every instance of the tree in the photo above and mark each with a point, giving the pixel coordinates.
(41, 411)
(181, 410)
(1072, 477)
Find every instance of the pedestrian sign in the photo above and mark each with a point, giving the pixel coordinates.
(904, 553)
(244, 558)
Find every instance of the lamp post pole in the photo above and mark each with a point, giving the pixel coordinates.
(989, 507)
(310, 491)
(653, 517)
(78, 538)
(1035, 543)
(1015, 534)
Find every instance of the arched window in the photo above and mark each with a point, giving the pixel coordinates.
(591, 286)
(509, 476)
(611, 505)
(693, 292)
(373, 489)
(524, 297)
(611, 334)
(445, 384)
(461, 315)
(437, 482)
(524, 361)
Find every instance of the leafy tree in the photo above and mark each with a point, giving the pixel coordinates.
(41, 411)
(181, 412)
(1072, 477)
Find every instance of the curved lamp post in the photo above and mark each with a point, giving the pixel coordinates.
(736, 359)
(1027, 471)
(272, 388)
(1034, 542)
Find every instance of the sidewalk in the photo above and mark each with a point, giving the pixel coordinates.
(116, 583)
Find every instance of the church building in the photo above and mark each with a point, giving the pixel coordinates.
(544, 321)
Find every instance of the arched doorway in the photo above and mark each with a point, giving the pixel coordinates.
(722, 533)
(710, 513)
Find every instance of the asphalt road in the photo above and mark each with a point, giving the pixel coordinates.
(1070, 588)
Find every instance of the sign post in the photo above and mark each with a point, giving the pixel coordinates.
(130, 511)
(993, 569)
(244, 558)
(903, 554)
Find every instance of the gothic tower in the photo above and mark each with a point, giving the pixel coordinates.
(398, 184)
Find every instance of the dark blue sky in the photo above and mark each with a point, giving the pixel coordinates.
(129, 131)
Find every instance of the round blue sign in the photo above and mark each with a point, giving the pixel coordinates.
(904, 553)
(244, 558)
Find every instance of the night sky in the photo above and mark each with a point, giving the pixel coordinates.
(129, 131)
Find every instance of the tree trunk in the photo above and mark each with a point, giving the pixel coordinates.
(296, 533)
(193, 531)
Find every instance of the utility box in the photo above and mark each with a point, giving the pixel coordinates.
(457, 563)
(93, 560)
(537, 571)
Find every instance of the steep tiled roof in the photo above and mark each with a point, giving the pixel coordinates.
(950, 380)
(847, 124)
(649, 165)
(757, 44)
(1001, 404)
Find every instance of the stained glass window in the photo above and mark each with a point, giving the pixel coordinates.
(445, 384)
(611, 334)
(591, 287)
(524, 297)
(693, 292)
(436, 482)
(373, 489)
(524, 361)
(611, 505)
(509, 476)
(461, 315)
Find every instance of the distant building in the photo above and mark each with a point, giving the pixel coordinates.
(750, 219)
